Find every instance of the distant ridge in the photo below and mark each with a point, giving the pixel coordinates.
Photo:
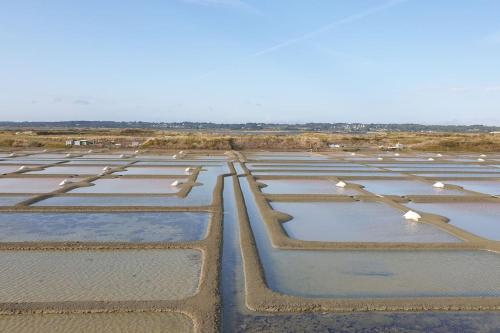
(315, 127)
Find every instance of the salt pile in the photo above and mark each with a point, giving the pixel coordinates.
(177, 183)
(438, 185)
(341, 184)
(411, 215)
(64, 182)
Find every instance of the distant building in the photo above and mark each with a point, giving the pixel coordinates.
(397, 146)
(78, 142)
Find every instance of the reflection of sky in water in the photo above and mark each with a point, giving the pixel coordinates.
(373, 273)
(355, 222)
(102, 227)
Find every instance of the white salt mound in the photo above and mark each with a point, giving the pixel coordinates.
(64, 182)
(341, 184)
(438, 185)
(176, 183)
(411, 215)
(480, 160)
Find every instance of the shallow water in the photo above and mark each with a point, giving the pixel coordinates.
(53, 276)
(31, 185)
(283, 165)
(385, 273)
(487, 187)
(103, 227)
(480, 218)
(404, 187)
(355, 222)
(69, 170)
(318, 168)
(154, 322)
(103, 163)
(28, 161)
(373, 273)
(458, 175)
(12, 199)
(338, 174)
(303, 186)
(451, 170)
(198, 196)
(8, 168)
(153, 171)
(287, 156)
(375, 322)
(128, 185)
(428, 165)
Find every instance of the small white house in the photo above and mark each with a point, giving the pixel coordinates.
(78, 142)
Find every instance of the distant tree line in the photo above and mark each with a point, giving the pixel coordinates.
(307, 127)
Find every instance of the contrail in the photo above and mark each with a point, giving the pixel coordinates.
(330, 26)
(311, 34)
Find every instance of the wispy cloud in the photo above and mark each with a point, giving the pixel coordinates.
(459, 89)
(306, 36)
(81, 102)
(328, 27)
(236, 4)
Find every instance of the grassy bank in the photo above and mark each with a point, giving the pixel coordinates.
(444, 142)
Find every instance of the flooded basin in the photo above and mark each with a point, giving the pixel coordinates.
(484, 186)
(480, 218)
(326, 173)
(9, 168)
(103, 227)
(153, 171)
(29, 161)
(304, 186)
(101, 163)
(361, 274)
(54, 276)
(457, 175)
(355, 222)
(12, 199)
(128, 185)
(30, 185)
(69, 170)
(404, 187)
(154, 322)
(384, 273)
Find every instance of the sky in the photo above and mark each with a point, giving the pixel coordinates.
(233, 61)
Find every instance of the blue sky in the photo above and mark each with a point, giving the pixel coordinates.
(424, 61)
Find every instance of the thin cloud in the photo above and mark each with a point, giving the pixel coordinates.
(459, 89)
(328, 27)
(236, 4)
(81, 102)
(301, 38)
